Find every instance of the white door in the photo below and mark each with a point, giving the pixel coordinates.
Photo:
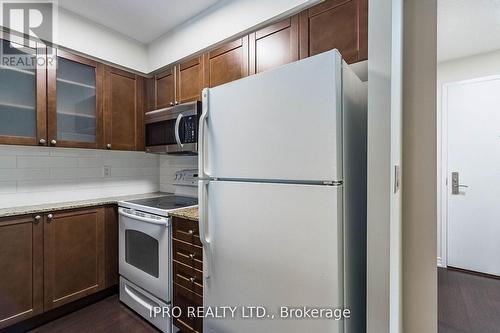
(473, 124)
(272, 245)
(283, 124)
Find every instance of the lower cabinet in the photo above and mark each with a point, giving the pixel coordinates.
(74, 260)
(188, 273)
(50, 259)
(21, 267)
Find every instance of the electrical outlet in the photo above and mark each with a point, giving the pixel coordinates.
(107, 171)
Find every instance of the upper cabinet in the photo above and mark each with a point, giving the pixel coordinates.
(165, 88)
(177, 84)
(22, 96)
(189, 80)
(75, 102)
(123, 113)
(275, 45)
(226, 63)
(340, 24)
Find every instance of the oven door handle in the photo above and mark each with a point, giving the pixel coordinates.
(177, 125)
(122, 211)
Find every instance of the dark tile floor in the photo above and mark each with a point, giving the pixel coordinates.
(106, 316)
(468, 303)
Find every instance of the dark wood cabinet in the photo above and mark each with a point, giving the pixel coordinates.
(340, 24)
(22, 94)
(187, 272)
(189, 80)
(165, 88)
(275, 45)
(226, 63)
(111, 241)
(74, 100)
(149, 94)
(123, 114)
(51, 259)
(74, 255)
(21, 266)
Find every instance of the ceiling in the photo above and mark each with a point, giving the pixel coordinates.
(143, 20)
(467, 27)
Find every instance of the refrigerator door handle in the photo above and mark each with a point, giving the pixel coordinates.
(203, 223)
(201, 136)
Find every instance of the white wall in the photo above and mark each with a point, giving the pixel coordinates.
(384, 292)
(39, 175)
(216, 25)
(85, 36)
(476, 66)
(420, 311)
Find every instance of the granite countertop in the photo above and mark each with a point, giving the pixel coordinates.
(190, 213)
(25, 210)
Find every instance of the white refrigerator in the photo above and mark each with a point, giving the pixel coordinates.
(282, 198)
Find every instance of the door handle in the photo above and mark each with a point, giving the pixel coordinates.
(455, 183)
(177, 125)
(139, 300)
(203, 222)
(202, 174)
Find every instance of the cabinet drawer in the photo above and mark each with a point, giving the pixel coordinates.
(184, 298)
(188, 254)
(188, 277)
(186, 230)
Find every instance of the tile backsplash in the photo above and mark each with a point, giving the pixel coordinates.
(39, 175)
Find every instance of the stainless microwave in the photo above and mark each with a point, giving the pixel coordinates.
(173, 130)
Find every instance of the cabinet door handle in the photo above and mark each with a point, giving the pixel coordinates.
(171, 103)
(42, 142)
(53, 142)
(50, 217)
(37, 219)
(108, 146)
(176, 102)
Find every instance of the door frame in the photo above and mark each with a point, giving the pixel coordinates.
(443, 197)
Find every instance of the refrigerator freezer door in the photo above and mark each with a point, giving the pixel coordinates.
(272, 245)
(283, 124)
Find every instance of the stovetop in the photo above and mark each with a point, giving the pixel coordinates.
(160, 205)
(167, 202)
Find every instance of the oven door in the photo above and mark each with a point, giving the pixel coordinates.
(173, 130)
(144, 251)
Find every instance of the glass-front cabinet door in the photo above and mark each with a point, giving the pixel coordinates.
(22, 92)
(75, 102)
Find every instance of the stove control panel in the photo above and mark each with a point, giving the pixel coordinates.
(187, 177)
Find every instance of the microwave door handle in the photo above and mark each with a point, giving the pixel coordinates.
(177, 125)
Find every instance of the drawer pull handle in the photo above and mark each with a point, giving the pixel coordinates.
(191, 255)
(192, 279)
(190, 232)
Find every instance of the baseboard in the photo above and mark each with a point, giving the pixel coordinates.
(466, 271)
(31, 323)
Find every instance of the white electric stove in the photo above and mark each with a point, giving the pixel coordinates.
(145, 243)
